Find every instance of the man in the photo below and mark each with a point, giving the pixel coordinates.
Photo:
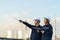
(48, 31)
(35, 34)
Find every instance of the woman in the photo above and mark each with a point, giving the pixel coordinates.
(48, 30)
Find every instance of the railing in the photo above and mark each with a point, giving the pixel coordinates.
(10, 39)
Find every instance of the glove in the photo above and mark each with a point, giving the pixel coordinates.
(20, 21)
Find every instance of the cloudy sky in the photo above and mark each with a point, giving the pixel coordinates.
(10, 10)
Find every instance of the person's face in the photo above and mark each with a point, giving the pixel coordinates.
(45, 21)
(36, 22)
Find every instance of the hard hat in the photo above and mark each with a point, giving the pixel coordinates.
(47, 18)
(37, 18)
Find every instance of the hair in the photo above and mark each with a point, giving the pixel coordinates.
(38, 21)
(47, 20)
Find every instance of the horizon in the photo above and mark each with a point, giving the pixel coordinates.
(11, 10)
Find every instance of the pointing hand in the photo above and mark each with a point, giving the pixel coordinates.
(20, 21)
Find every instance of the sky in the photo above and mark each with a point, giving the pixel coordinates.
(31, 8)
(10, 10)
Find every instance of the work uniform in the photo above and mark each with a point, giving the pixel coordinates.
(47, 32)
(34, 34)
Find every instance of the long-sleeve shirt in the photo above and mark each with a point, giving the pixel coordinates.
(34, 34)
(47, 32)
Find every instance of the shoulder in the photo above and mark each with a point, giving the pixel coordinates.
(40, 26)
(50, 25)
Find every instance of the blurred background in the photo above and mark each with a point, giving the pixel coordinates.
(11, 10)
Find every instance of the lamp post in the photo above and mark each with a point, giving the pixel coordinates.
(55, 28)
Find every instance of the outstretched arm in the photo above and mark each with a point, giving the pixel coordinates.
(27, 24)
(36, 28)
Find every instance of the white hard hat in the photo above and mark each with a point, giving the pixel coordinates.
(36, 18)
(48, 18)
